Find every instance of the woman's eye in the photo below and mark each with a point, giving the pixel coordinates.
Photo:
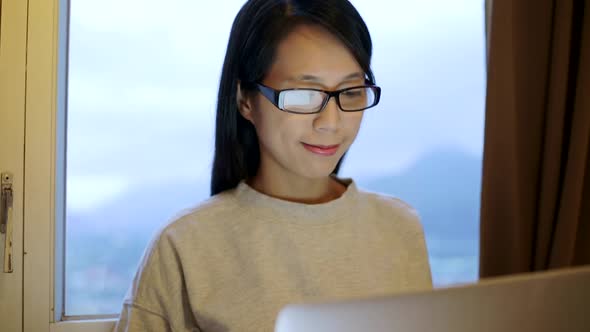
(352, 93)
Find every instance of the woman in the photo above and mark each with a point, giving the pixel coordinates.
(281, 227)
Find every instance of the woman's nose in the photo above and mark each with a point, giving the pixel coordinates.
(329, 119)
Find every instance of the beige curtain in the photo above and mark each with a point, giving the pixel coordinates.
(535, 212)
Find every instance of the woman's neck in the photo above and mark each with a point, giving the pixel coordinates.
(298, 189)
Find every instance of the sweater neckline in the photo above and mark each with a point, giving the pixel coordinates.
(290, 211)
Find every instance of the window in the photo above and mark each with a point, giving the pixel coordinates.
(142, 85)
(141, 110)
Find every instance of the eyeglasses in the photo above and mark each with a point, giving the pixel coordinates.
(311, 101)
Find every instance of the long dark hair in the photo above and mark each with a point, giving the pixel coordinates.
(256, 32)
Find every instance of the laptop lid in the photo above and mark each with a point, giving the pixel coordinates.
(557, 300)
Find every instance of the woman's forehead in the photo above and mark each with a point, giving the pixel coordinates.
(310, 53)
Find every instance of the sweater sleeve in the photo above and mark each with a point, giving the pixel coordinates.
(420, 265)
(157, 299)
(418, 271)
(135, 318)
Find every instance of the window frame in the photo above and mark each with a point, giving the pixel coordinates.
(13, 31)
(45, 171)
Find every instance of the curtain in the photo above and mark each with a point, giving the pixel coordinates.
(535, 201)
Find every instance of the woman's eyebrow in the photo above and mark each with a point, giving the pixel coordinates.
(316, 79)
(353, 76)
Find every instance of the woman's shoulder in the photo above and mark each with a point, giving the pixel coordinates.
(387, 205)
(202, 217)
(181, 238)
(387, 201)
(391, 213)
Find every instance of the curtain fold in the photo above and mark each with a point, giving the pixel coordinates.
(535, 199)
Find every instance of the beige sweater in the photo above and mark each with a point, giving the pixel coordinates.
(234, 261)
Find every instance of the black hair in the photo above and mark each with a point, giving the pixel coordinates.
(256, 33)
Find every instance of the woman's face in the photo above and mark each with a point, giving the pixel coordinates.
(291, 144)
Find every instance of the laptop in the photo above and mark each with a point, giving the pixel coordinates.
(557, 300)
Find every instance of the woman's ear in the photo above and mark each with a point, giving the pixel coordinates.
(244, 104)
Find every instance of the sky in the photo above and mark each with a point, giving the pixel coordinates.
(143, 81)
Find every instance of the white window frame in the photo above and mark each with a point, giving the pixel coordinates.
(44, 172)
(13, 38)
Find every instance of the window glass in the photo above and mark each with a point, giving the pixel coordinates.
(143, 78)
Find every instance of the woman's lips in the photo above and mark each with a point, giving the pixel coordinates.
(323, 150)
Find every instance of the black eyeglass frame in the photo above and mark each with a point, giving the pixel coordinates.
(273, 96)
